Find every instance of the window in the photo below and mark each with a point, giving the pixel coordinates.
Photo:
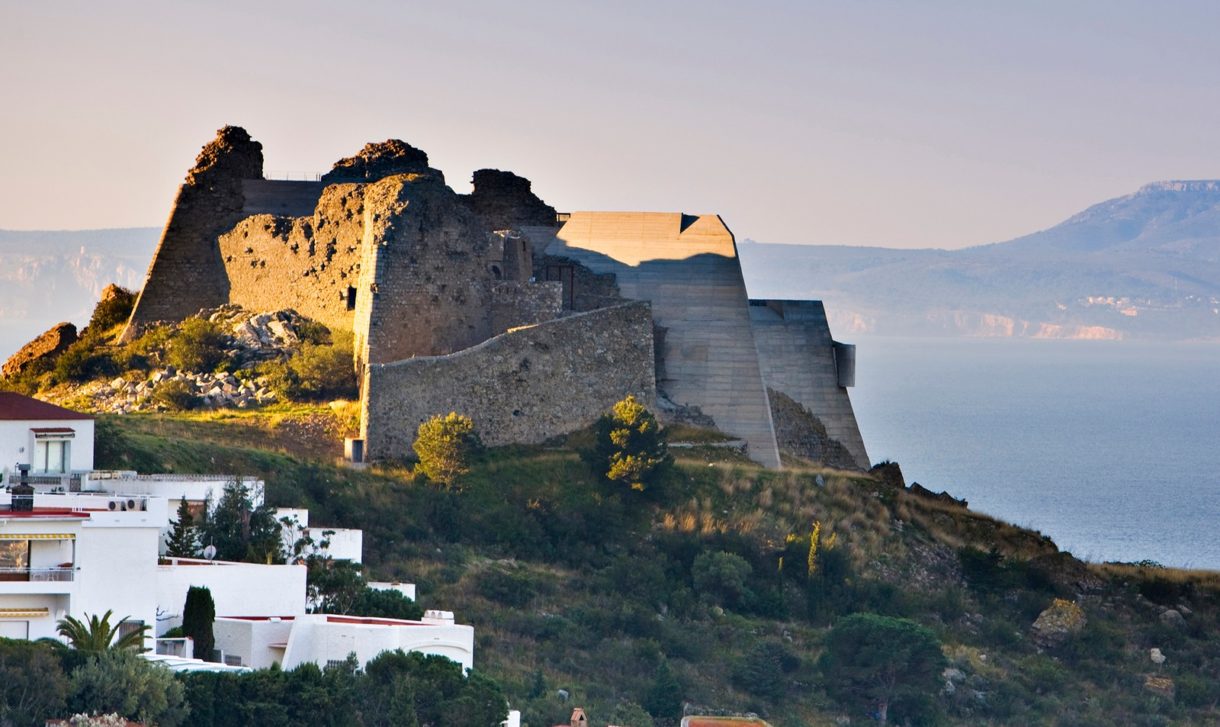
(129, 626)
(14, 560)
(232, 660)
(52, 455)
(351, 298)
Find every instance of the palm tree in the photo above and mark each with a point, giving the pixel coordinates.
(96, 634)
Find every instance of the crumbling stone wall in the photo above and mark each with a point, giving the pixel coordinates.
(525, 386)
(505, 201)
(309, 263)
(186, 273)
(583, 289)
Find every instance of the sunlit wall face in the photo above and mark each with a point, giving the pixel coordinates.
(928, 124)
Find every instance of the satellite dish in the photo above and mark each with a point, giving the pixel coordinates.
(209, 552)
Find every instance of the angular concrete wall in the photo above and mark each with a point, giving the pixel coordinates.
(797, 357)
(687, 268)
(527, 385)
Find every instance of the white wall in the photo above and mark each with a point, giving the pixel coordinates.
(252, 640)
(238, 589)
(317, 639)
(17, 442)
(116, 566)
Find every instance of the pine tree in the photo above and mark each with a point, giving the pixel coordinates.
(183, 540)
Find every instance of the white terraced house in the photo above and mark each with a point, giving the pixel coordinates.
(73, 554)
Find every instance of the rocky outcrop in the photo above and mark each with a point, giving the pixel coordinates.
(505, 201)
(379, 160)
(798, 432)
(1057, 624)
(42, 350)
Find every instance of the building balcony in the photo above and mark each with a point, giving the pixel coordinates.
(54, 574)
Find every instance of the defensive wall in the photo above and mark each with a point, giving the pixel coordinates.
(526, 385)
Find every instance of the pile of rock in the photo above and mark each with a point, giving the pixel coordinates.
(257, 336)
(211, 391)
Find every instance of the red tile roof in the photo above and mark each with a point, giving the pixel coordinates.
(16, 407)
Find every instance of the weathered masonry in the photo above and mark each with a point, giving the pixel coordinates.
(493, 305)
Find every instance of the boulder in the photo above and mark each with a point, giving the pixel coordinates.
(1059, 622)
(1171, 617)
(43, 349)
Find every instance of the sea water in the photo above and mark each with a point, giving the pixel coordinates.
(1110, 448)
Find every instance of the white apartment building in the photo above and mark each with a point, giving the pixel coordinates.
(75, 555)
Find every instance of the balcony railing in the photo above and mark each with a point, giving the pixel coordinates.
(55, 573)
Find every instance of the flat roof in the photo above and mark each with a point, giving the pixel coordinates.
(47, 513)
(18, 407)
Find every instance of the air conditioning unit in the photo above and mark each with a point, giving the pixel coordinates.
(131, 505)
(114, 505)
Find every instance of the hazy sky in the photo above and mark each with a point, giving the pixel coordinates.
(905, 124)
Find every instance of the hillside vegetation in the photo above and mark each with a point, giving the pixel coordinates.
(719, 583)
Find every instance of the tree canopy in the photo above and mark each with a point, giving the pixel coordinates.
(629, 445)
(882, 664)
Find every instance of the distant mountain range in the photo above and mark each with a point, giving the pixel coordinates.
(53, 276)
(1144, 266)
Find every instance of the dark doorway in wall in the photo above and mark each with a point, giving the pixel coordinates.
(566, 275)
(351, 298)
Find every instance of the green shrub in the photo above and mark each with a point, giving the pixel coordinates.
(84, 360)
(721, 575)
(175, 395)
(444, 446)
(315, 372)
(112, 311)
(385, 604)
(198, 345)
(507, 588)
(761, 672)
(198, 616)
(121, 682)
(629, 448)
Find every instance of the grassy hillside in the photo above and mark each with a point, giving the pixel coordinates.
(573, 584)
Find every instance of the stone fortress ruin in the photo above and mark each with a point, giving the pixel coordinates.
(491, 304)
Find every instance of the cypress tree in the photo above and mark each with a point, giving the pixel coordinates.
(197, 616)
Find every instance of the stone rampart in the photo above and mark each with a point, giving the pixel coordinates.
(525, 386)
